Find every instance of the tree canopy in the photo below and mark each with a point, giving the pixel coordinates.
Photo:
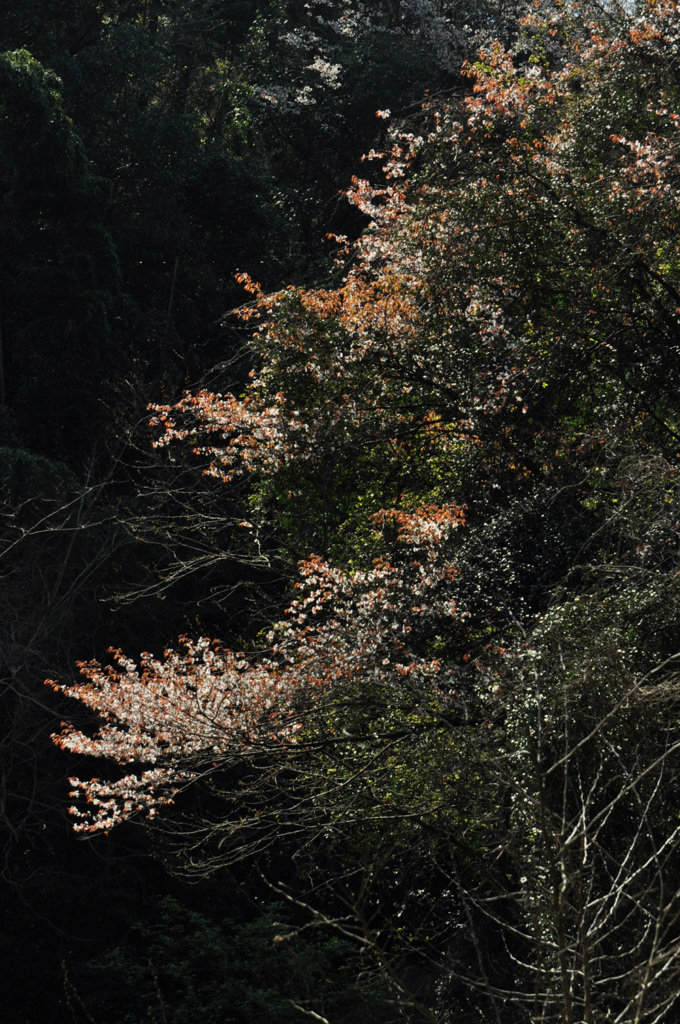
(464, 724)
(339, 366)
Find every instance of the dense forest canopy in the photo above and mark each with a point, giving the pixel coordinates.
(373, 419)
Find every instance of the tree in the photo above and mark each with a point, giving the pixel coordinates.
(60, 288)
(503, 723)
(194, 966)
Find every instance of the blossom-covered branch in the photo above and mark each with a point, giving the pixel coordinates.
(199, 706)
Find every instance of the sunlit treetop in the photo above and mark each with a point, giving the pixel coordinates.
(520, 273)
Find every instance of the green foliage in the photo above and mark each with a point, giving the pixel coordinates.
(185, 968)
(59, 273)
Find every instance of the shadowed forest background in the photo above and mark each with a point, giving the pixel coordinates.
(346, 335)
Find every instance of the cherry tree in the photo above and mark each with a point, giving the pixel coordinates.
(520, 251)
(505, 335)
